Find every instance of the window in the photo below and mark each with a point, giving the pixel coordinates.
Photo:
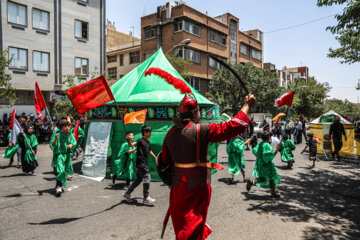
(243, 49)
(212, 36)
(40, 19)
(121, 56)
(41, 61)
(17, 13)
(256, 54)
(213, 63)
(192, 55)
(81, 29)
(178, 26)
(222, 39)
(112, 72)
(18, 58)
(192, 28)
(134, 57)
(85, 1)
(195, 83)
(81, 66)
(150, 32)
(178, 52)
(112, 59)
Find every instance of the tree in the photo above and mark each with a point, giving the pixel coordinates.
(180, 65)
(309, 98)
(7, 92)
(344, 108)
(228, 93)
(347, 30)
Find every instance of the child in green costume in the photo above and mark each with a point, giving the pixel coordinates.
(236, 162)
(62, 145)
(212, 152)
(125, 161)
(286, 151)
(28, 143)
(264, 174)
(10, 151)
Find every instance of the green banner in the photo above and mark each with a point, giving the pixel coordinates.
(154, 112)
(327, 119)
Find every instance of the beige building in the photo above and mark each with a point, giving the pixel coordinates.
(285, 77)
(47, 39)
(122, 52)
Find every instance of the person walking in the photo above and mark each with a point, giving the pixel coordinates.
(336, 131)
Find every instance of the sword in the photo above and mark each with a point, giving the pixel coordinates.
(166, 219)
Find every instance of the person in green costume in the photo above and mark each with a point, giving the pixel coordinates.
(28, 143)
(236, 162)
(53, 162)
(265, 174)
(62, 145)
(79, 142)
(212, 151)
(286, 151)
(10, 151)
(125, 161)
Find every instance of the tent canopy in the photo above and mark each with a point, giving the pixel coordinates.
(135, 88)
(328, 118)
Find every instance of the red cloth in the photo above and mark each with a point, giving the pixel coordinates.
(13, 115)
(188, 208)
(285, 99)
(76, 131)
(39, 102)
(90, 95)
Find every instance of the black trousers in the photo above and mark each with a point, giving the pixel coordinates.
(337, 145)
(142, 175)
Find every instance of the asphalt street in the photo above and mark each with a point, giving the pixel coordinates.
(318, 203)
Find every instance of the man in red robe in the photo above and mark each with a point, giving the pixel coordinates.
(186, 147)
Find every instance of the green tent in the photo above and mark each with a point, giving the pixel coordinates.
(135, 92)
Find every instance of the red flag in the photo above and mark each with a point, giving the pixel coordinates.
(13, 115)
(76, 131)
(39, 102)
(90, 95)
(285, 99)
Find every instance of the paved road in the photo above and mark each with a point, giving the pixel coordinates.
(319, 203)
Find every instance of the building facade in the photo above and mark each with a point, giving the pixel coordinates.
(285, 77)
(122, 52)
(47, 39)
(176, 23)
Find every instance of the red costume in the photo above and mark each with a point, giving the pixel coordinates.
(191, 191)
(186, 147)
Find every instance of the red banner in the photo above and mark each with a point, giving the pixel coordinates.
(39, 102)
(285, 99)
(13, 115)
(76, 131)
(90, 95)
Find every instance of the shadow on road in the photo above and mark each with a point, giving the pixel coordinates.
(13, 175)
(325, 196)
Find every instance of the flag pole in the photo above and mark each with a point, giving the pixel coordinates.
(52, 124)
(286, 122)
(122, 116)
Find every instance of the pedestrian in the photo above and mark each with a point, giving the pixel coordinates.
(10, 150)
(142, 174)
(236, 162)
(62, 145)
(125, 161)
(303, 123)
(286, 151)
(28, 143)
(357, 139)
(299, 130)
(312, 144)
(336, 131)
(265, 174)
(295, 133)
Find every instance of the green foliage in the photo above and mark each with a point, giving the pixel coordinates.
(7, 92)
(180, 65)
(347, 30)
(228, 93)
(344, 108)
(309, 98)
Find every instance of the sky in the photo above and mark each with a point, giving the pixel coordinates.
(306, 45)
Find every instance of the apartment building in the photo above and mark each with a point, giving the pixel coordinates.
(122, 52)
(186, 32)
(299, 72)
(285, 77)
(47, 39)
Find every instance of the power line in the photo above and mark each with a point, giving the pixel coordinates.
(301, 24)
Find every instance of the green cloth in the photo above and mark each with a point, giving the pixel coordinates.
(235, 151)
(80, 135)
(286, 150)
(63, 155)
(53, 162)
(126, 163)
(10, 151)
(212, 152)
(264, 167)
(32, 140)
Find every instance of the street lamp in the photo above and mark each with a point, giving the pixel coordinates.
(182, 43)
